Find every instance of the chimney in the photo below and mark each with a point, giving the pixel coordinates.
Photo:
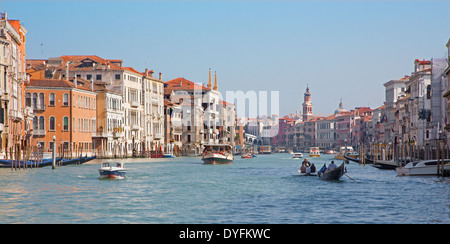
(75, 81)
(209, 80)
(215, 81)
(160, 76)
(146, 72)
(67, 71)
(92, 84)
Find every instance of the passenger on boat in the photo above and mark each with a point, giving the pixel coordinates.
(322, 170)
(306, 163)
(313, 168)
(331, 166)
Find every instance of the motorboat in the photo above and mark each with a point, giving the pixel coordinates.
(169, 151)
(168, 155)
(217, 154)
(248, 155)
(297, 155)
(108, 170)
(426, 167)
(343, 151)
(314, 152)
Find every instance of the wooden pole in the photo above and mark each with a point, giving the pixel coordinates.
(438, 158)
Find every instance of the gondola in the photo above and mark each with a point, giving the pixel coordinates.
(356, 160)
(334, 174)
(7, 163)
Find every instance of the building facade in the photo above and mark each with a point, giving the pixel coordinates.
(13, 116)
(65, 112)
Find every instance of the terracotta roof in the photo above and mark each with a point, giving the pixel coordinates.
(182, 84)
(77, 64)
(49, 83)
(82, 84)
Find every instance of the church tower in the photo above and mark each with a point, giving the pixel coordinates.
(307, 106)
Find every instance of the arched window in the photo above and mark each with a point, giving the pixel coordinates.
(41, 123)
(28, 99)
(41, 100)
(65, 123)
(65, 99)
(51, 99)
(35, 123)
(34, 101)
(52, 123)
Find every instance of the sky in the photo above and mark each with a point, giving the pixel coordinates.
(339, 49)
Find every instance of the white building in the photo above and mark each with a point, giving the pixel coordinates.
(419, 87)
(153, 119)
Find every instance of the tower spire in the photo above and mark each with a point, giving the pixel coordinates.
(307, 106)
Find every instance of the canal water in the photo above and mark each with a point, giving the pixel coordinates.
(266, 189)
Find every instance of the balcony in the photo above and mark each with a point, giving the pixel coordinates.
(117, 135)
(15, 115)
(134, 104)
(155, 99)
(39, 108)
(135, 127)
(2, 127)
(158, 136)
(101, 134)
(39, 132)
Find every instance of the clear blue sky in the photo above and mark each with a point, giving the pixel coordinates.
(342, 49)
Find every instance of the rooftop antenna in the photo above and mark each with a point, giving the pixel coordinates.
(42, 50)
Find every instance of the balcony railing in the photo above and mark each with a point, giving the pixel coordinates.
(15, 115)
(134, 104)
(39, 108)
(118, 135)
(39, 132)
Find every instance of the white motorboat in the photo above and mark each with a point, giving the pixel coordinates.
(314, 152)
(427, 167)
(217, 154)
(107, 170)
(297, 155)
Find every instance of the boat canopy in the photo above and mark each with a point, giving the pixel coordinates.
(217, 147)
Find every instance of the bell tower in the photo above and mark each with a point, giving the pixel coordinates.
(307, 106)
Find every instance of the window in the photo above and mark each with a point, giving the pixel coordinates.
(117, 77)
(34, 101)
(41, 100)
(98, 77)
(51, 99)
(65, 123)
(41, 123)
(66, 99)
(35, 123)
(88, 77)
(52, 123)
(28, 99)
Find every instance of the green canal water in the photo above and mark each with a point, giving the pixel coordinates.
(266, 189)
